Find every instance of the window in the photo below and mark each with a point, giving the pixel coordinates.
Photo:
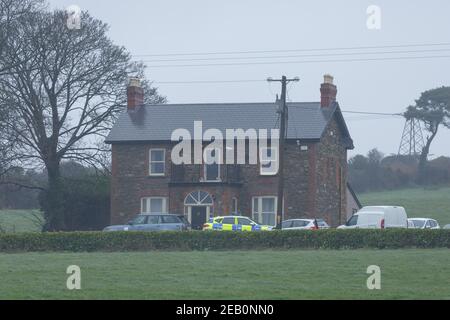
(234, 205)
(418, 223)
(153, 220)
(198, 198)
(301, 223)
(154, 205)
(170, 219)
(228, 220)
(268, 161)
(287, 224)
(157, 162)
(264, 210)
(138, 220)
(322, 223)
(212, 165)
(352, 222)
(244, 221)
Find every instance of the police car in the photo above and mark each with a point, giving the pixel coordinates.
(234, 223)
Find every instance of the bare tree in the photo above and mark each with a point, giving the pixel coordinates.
(12, 14)
(64, 91)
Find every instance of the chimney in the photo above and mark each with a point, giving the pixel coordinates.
(135, 94)
(328, 91)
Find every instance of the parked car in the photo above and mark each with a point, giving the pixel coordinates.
(304, 224)
(234, 223)
(378, 217)
(153, 222)
(447, 226)
(424, 223)
(185, 221)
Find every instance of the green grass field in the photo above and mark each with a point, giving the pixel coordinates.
(423, 203)
(21, 220)
(321, 274)
(295, 274)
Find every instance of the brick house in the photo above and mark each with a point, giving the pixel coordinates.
(144, 179)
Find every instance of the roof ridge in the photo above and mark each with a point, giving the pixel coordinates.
(224, 103)
(205, 103)
(306, 102)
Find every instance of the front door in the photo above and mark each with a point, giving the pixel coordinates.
(198, 217)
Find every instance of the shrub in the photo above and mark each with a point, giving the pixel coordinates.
(213, 240)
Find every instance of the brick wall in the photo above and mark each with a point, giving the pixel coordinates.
(331, 176)
(312, 181)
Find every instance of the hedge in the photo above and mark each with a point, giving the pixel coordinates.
(215, 240)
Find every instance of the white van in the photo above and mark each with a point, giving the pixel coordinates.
(378, 217)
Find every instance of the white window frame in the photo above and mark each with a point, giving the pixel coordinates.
(147, 200)
(156, 174)
(257, 216)
(205, 166)
(264, 171)
(234, 205)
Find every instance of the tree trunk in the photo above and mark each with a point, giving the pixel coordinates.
(54, 202)
(421, 174)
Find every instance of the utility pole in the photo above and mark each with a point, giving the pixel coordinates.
(283, 111)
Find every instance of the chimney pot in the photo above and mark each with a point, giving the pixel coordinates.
(328, 91)
(327, 78)
(134, 82)
(135, 94)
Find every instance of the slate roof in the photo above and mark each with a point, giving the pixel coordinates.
(306, 120)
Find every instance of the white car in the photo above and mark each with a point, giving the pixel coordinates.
(378, 217)
(423, 223)
(304, 224)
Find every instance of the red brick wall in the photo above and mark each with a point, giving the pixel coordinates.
(311, 182)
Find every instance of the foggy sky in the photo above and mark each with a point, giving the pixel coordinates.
(169, 26)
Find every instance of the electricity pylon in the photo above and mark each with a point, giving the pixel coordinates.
(412, 141)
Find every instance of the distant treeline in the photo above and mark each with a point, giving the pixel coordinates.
(20, 188)
(375, 172)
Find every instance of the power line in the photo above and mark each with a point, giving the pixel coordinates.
(298, 62)
(378, 118)
(265, 81)
(373, 113)
(207, 81)
(292, 50)
(299, 56)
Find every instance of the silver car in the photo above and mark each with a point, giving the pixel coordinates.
(423, 223)
(153, 222)
(304, 224)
